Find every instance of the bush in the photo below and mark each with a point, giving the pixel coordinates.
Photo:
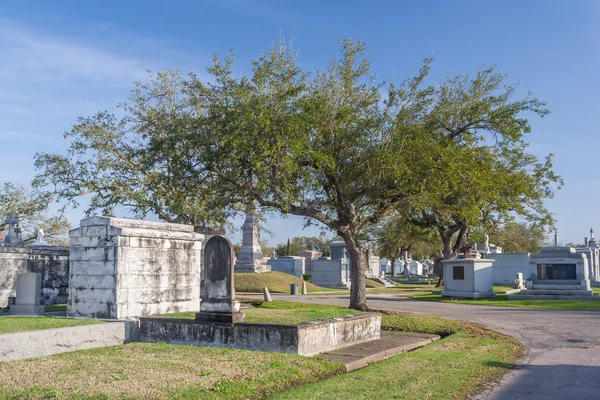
(307, 277)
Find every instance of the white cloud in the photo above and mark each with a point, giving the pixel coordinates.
(39, 57)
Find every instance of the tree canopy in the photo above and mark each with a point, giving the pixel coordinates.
(32, 209)
(336, 146)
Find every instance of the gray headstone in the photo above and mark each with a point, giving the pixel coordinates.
(28, 299)
(217, 290)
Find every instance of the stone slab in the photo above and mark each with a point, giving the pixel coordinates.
(540, 286)
(550, 297)
(24, 345)
(19, 309)
(535, 291)
(389, 344)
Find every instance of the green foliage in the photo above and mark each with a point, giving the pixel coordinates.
(300, 243)
(335, 146)
(397, 234)
(32, 209)
(515, 237)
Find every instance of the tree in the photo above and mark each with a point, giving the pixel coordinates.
(299, 243)
(120, 164)
(520, 237)
(397, 235)
(31, 207)
(334, 146)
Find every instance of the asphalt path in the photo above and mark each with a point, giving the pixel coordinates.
(563, 346)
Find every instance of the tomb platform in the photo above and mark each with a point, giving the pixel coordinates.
(306, 339)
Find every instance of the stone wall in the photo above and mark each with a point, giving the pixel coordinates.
(52, 262)
(305, 339)
(123, 268)
(507, 265)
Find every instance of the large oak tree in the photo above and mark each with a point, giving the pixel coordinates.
(335, 146)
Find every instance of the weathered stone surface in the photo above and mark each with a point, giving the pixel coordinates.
(136, 268)
(23, 345)
(217, 289)
(306, 339)
(52, 262)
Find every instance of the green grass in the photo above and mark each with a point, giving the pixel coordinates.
(56, 307)
(501, 300)
(11, 324)
(277, 282)
(370, 283)
(457, 366)
(403, 289)
(281, 312)
(160, 371)
(502, 288)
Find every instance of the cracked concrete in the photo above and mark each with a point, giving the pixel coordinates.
(563, 346)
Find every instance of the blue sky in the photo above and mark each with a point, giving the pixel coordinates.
(61, 60)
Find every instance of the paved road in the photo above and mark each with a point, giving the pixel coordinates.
(563, 358)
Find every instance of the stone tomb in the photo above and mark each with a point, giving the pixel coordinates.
(219, 324)
(217, 289)
(557, 272)
(331, 273)
(29, 289)
(468, 277)
(123, 268)
(288, 264)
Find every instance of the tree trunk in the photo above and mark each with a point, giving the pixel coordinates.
(358, 255)
(393, 267)
(449, 252)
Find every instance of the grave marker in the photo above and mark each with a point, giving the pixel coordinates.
(217, 291)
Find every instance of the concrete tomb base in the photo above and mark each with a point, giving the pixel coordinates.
(306, 339)
(231, 318)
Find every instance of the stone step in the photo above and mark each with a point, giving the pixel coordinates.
(550, 297)
(556, 282)
(574, 292)
(556, 287)
(390, 344)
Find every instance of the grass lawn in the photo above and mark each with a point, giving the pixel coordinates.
(370, 283)
(455, 367)
(277, 282)
(501, 300)
(403, 289)
(10, 324)
(281, 312)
